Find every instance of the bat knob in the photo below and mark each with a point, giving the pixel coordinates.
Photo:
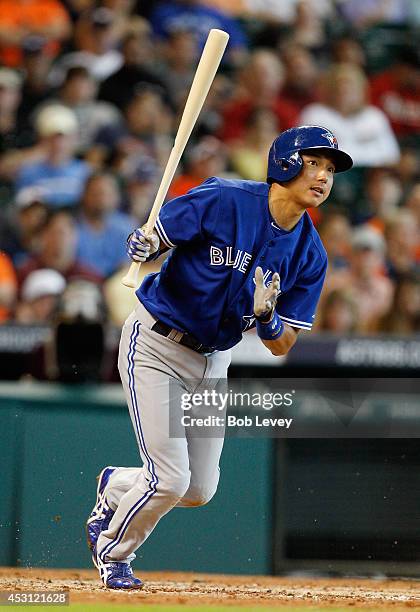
(131, 278)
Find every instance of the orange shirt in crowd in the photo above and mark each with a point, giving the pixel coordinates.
(23, 17)
(182, 184)
(8, 282)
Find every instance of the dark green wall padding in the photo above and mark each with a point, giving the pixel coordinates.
(55, 440)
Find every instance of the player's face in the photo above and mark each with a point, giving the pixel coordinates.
(313, 184)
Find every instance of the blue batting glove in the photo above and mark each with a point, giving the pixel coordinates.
(140, 246)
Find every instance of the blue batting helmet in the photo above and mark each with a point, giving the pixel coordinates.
(284, 160)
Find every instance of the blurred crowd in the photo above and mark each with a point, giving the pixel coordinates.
(90, 98)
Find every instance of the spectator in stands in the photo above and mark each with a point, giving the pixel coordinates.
(368, 13)
(126, 19)
(74, 351)
(13, 135)
(383, 194)
(259, 86)
(121, 86)
(79, 335)
(248, 155)
(58, 244)
(206, 158)
(412, 202)
(347, 49)
(20, 19)
(404, 315)
(40, 293)
(146, 131)
(78, 93)
(403, 239)
(180, 54)
(170, 16)
(339, 313)
(408, 168)
(361, 129)
(301, 76)
(335, 231)
(114, 61)
(16, 137)
(210, 120)
(397, 92)
(57, 171)
(102, 230)
(20, 233)
(272, 11)
(96, 40)
(8, 287)
(308, 26)
(371, 289)
(36, 65)
(141, 185)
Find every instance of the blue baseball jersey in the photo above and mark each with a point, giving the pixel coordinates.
(220, 232)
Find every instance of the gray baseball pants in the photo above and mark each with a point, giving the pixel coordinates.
(182, 471)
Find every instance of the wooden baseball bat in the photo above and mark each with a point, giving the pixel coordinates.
(203, 78)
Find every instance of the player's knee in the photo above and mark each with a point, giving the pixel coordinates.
(176, 487)
(198, 495)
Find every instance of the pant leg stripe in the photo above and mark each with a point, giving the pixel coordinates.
(150, 464)
(141, 502)
(153, 483)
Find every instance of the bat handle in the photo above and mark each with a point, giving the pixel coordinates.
(131, 278)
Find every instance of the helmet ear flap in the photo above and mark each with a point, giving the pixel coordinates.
(292, 165)
(282, 169)
(292, 161)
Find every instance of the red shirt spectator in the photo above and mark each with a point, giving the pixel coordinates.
(301, 78)
(259, 87)
(397, 92)
(237, 113)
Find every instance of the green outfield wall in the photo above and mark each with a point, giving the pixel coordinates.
(53, 442)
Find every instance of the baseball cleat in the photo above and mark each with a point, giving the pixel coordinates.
(119, 575)
(101, 515)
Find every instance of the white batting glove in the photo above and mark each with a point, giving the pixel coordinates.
(140, 246)
(265, 298)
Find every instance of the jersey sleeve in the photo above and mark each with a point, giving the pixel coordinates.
(298, 305)
(191, 216)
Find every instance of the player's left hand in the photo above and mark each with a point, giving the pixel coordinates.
(265, 298)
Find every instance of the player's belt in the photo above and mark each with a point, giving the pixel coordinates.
(180, 337)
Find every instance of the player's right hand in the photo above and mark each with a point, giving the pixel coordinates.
(140, 246)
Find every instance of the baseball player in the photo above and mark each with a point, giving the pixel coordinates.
(244, 254)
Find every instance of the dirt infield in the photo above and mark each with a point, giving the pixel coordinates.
(210, 589)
